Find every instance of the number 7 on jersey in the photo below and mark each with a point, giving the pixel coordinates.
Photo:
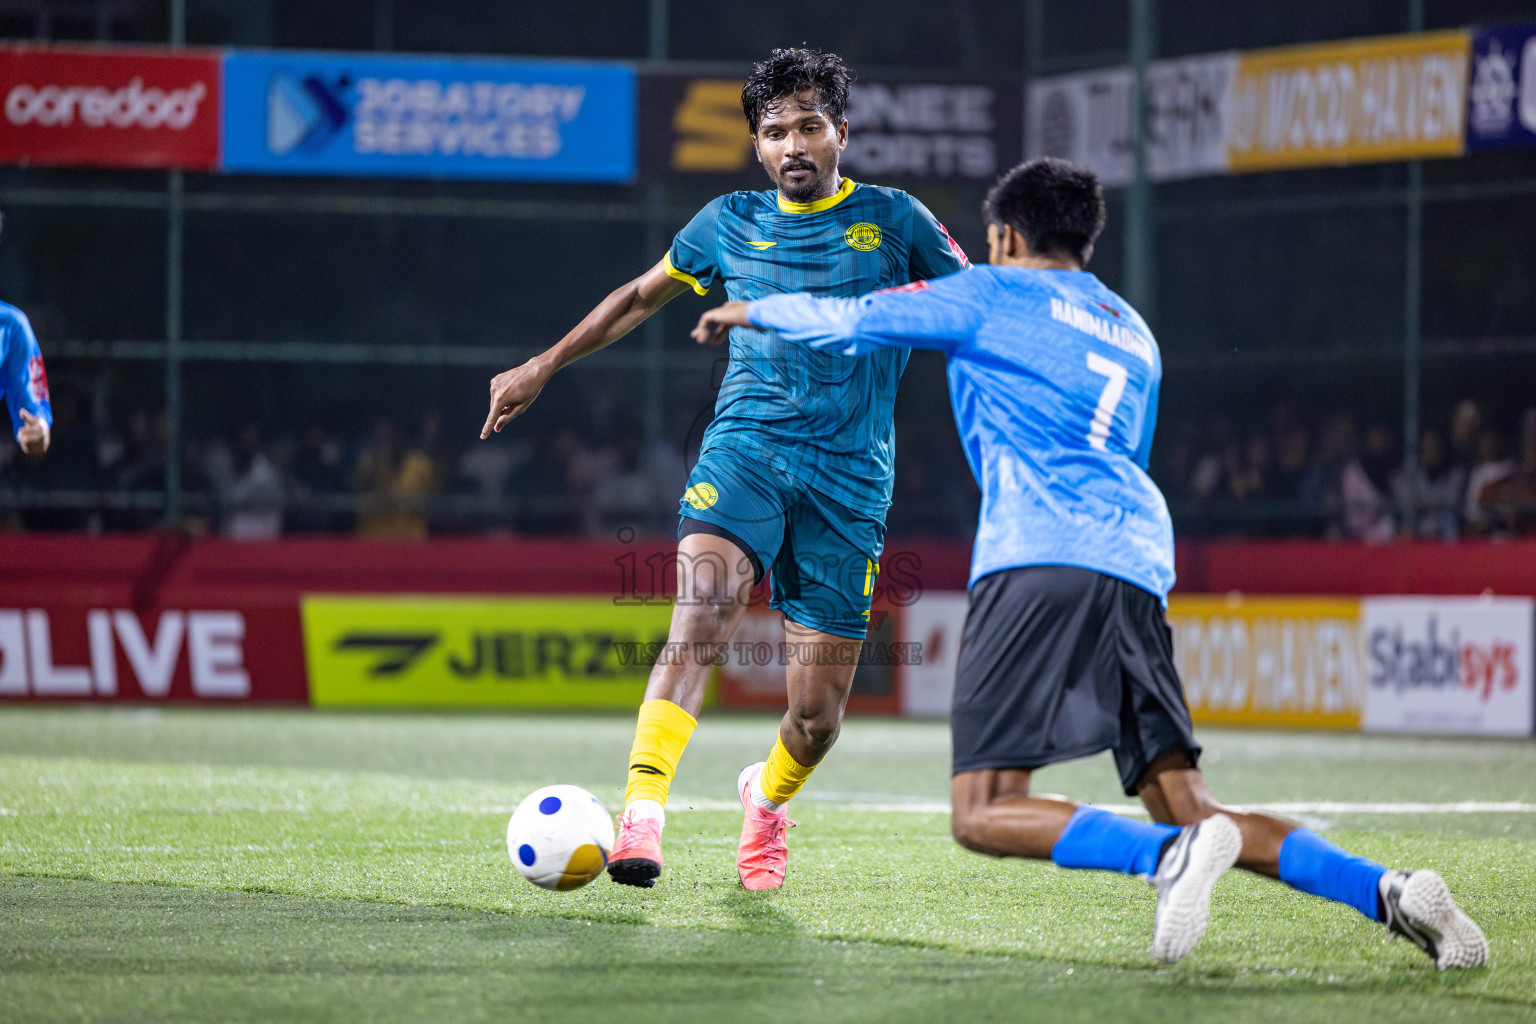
(1109, 398)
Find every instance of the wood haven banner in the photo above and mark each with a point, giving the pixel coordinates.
(65, 107)
(1392, 98)
(1269, 661)
(481, 652)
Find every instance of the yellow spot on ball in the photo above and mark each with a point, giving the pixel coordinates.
(586, 863)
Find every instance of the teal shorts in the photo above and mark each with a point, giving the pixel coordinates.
(822, 557)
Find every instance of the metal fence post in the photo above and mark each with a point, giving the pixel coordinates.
(174, 236)
(1139, 287)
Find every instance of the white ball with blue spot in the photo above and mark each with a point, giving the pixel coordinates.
(560, 837)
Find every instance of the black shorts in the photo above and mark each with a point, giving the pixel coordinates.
(1058, 663)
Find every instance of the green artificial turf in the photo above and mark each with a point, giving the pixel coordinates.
(197, 865)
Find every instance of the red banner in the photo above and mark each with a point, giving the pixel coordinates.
(109, 108)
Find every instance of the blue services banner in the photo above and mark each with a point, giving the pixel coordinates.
(428, 117)
(1501, 97)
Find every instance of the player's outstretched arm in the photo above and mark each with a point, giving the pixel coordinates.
(25, 385)
(943, 315)
(626, 308)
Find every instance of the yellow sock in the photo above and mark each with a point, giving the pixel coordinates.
(782, 776)
(660, 736)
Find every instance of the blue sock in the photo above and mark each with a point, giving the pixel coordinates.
(1314, 865)
(1109, 842)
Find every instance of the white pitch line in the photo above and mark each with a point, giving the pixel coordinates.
(1324, 807)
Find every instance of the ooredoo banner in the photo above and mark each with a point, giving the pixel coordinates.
(1457, 665)
(109, 108)
(368, 116)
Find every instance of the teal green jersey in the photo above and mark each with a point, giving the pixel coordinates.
(822, 417)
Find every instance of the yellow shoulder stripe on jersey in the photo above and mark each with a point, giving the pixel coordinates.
(687, 279)
(818, 205)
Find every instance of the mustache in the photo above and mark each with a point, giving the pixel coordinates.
(796, 165)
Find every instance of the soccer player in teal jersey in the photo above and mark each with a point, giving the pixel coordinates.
(794, 475)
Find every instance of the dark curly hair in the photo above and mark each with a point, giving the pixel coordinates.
(1055, 204)
(788, 71)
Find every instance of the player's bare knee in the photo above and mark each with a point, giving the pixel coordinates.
(817, 727)
(706, 618)
(965, 826)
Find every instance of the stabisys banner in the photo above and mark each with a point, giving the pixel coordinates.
(931, 131)
(1459, 665)
(69, 107)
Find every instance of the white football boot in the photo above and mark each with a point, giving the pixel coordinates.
(1199, 855)
(1420, 908)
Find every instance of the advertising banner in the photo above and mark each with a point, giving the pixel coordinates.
(522, 652)
(933, 625)
(1393, 98)
(423, 117)
(754, 665)
(1501, 97)
(1458, 665)
(72, 652)
(934, 131)
(109, 108)
(1086, 118)
(1269, 661)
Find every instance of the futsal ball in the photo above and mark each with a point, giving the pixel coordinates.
(559, 837)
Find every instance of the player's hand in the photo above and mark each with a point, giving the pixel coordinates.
(34, 434)
(513, 392)
(715, 324)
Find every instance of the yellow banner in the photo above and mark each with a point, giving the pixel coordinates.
(522, 652)
(1393, 98)
(1270, 661)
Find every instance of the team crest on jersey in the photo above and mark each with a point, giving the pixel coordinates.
(863, 236)
(701, 496)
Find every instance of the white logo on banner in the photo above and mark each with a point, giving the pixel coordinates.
(1493, 92)
(1448, 665)
(214, 642)
(1086, 118)
(941, 131)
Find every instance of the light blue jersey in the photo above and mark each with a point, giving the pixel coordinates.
(24, 383)
(1054, 381)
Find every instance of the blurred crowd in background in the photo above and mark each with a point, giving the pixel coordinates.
(1290, 473)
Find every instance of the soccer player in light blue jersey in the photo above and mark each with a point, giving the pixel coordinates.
(1066, 652)
(795, 472)
(25, 382)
